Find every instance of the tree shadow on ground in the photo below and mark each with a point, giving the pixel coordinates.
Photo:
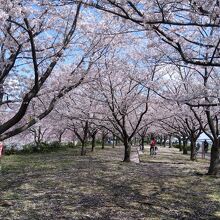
(100, 186)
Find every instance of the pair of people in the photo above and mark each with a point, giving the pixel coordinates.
(205, 147)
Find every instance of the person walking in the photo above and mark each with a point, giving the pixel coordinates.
(206, 146)
(153, 146)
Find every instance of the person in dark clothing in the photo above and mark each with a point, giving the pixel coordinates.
(206, 146)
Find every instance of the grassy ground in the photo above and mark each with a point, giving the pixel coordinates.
(63, 185)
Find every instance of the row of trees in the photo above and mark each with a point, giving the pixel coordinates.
(129, 67)
(188, 34)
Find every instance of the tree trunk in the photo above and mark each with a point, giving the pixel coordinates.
(83, 149)
(142, 142)
(60, 138)
(161, 140)
(103, 141)
(127, 153)
(193, 149)
(214, 167)
(93, 141)
(180, 143)
(170, 141)
(185, 146)
(164, 141)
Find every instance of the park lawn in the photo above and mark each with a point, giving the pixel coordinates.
(64, 185)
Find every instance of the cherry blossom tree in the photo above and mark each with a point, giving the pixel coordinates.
(208, 103)
(34, 38)
(54, 58)
(187, 26)
(49, 48)
(190, 28)
(123, 102)
(79, 116)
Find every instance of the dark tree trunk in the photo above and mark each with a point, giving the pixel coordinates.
(83, 138)
(185, 146)
(161, 140)
(170, 141)
(83, 149)
(127, 146)
(164, 140)
(1, 90)
(193, 149)
(214, 167)
(60, 135)
(142, 142)
(180, 143)
(60, 138)
(103, 141)
(93, 141)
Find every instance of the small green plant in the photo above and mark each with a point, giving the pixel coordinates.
(48, 147)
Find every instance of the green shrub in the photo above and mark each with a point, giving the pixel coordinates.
(42, 147)
(27, 149)
(48, 147)
(70, 145)
(177, 146)
(12, 149)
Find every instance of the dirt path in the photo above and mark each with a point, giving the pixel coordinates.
(165, 153)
